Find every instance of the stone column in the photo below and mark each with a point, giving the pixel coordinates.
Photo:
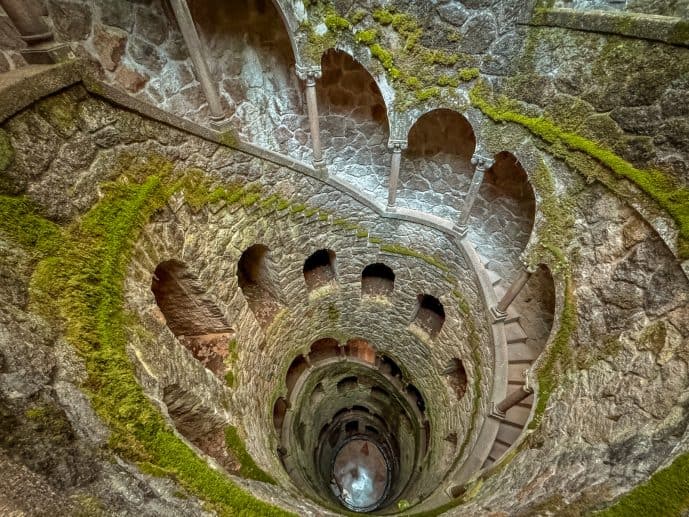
(482, 164)
(198, 58)
(500, 310)
(26, 16)
(397, 147)
(499, 410)
(310, 75)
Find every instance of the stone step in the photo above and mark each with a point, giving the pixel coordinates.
(495, 279)
(514, 333)
(518, 415)
(508, 433)
(515, 373)
(497, 451)
(512, 315)
(521, 352)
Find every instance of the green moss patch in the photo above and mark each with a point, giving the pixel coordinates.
(24, 226)
(6, 151)
(248, 468)
(659, 186)
(419, 73)
(665, 493)
(82, 283)
(408, 252)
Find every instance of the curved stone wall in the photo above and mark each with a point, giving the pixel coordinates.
(532, 320)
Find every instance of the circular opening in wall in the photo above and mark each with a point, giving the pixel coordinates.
(361, 475)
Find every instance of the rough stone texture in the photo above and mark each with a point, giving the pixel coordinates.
(624, 402)
(354, 125)
(659, 7)
(618, 412)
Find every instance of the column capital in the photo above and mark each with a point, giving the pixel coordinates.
(397, 145)
(309, 73)
(530, 268)
(482, 162)
(496, 413)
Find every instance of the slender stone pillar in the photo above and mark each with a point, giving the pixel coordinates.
(26, 16)
(500, 310)
(198, 58)
(397, 147)
(310, 75)
(482, 164)
(499, 410)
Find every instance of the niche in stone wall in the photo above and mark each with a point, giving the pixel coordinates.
(505, 209)
(430, 314)
(298, 366)
(457, 377)
(257, 282)
(279, 411)
(324, 349)
(319, 269)
(436, 167)
(360, 349)
(199, 424)
(347, 384)
(415, 397)
(191, 316)
(252, 63)
(389, 368)
(354, 123)
(377, 280)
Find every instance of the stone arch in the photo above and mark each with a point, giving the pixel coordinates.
(436, 167)
(360, 349)
(250, 53)
(324, 349)
(196, 321)
(257, 282)
(319, 269)
(298, 366)
(279, 412)
(430, 314)
(377, 280)
(503, 215)
(354, 123)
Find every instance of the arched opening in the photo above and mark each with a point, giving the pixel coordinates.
(502, 217)
(199, 424)
(360, 349)
(457, 377)
(298, 366)
(347, 384)
(192, 317)
(279, 412)
(377, 280)
(257, 283)
(319, 269)
(415, 396)
(430, 314)
(324, 349)
(250, 56)
(389, 368)
(354, 123)
(436, 166)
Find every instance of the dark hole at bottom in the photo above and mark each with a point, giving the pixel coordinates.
(360, 475)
